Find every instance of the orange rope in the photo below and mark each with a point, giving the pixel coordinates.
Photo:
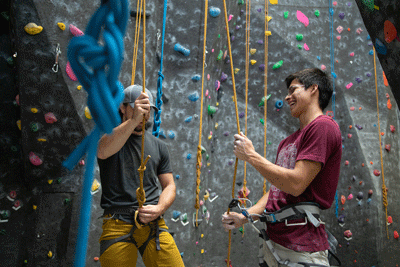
(140, 194)
(237, 117)
(384, 193)
(136, 42)
(265, 87)
(198, 164)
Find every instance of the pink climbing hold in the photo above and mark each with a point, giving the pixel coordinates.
(212, 50)
(306, 47)
(352, 54)
(338, 37)
(302, 18)
(50, 118)
(35, 160)
(352, 108)
(230, 17)
(359, 30)
(334, 3)
(323, 67)
(339, 29)
(208, 77)
(346, 163)
(350, 197)
(377, 172)
(70, 72)
(206, 92)
(75, 31)
(217, 85)
(348, 86)
(349, 136)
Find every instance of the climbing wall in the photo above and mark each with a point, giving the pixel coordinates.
(301, 36)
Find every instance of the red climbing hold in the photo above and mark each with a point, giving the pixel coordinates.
(396, 234)
(377, 172)
(390, 31)
(50, 118)
(388, 147)
(392, 128)
(346, 162)
(349, 136)
(389, 220)
(35, 160)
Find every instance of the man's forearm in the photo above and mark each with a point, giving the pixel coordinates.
(167, 197)
(111, 144)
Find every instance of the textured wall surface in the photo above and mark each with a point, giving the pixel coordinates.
(49, 92)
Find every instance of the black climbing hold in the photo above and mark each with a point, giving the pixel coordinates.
(134, 13)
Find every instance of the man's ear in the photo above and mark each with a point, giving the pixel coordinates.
(314, 89)
(122, 107)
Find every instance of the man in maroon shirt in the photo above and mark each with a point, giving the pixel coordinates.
(306, 170)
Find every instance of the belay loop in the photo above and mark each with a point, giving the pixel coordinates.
(97, 69)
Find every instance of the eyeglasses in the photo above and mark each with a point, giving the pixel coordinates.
(291, 89)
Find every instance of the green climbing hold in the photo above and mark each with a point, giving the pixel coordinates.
(263, 100)
(34, 127)
(219, 35)
(262, 121)
(207, 156)
(299, 47)
(286, 14)
(220, 54)
(240, 2)
(241, 230)
(59, 180)
(211, 110)
(317, 13)
(299, 37)
(277, 65)
(67, 201)
(369, 5)
(204, 209)
(203, 150)
(268, 144)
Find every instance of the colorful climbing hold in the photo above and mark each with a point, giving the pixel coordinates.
(349, 85)
(388, 147)
(87, 113)
(220, 54)
(341, 15)
(302, 18)
(347, 235)
(317, 13)
(261, 67)
(217, 85)
(350, 197)
(214, 11)
(32, 29)
(188, 119)
(196, 78)
(268, 33)
(389, 220)
(395, 234)
(277, 65)
(61, 26)
(390, 31)
(306, 47)
(253, 61)
(224, 77)
(343, 199)
(253, 51)
(194, 97)
(377, 172)
(79, 87)
(279, 104)
(34, 159)
(299, 37)
(380, 47)
(359, 31)
(70, 72)
(339, 29)
(392, 128)
(75, 31)
(179, 48)
(50, 118)
(286, 14)
(211, 110)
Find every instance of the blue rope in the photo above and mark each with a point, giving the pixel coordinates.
(105, 93)
(159, 102)
(333, 83)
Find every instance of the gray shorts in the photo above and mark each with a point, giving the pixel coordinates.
(265, 255)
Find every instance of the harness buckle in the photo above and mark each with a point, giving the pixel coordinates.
(296, 224)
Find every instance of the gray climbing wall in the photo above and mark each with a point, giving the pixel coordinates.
(207, 245)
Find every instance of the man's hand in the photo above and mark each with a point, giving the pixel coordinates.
(149, 213)
(242, 147)
(233, 220)
(142, 107)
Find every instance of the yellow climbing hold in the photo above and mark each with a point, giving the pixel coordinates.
(95, 185)
(376, 7)
(216, 125)
(87, 113)
(268, 18)
(34, 207)
(217, 104)
(32, 29)
(42, 140)
(253, 51)
(34, 110)
(209, 137)
(19, 124)
(79, 87)
(273, 2)
(61, 26)
(208, 164)
(253, 61)
(202, 235)
(236, 70)
(50, 181)
(268, 33)
(202, 250)
(50, 254)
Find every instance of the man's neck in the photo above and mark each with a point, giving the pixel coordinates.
(311, 114)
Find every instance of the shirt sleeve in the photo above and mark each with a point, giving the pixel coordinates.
(165, 164)
(315, 142)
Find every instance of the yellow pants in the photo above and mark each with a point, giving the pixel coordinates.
(124, 254)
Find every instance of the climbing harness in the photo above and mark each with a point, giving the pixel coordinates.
(199, 150)
(129, 211)
(97, 68)
(159, 102)
(384, 192)
(309, 211)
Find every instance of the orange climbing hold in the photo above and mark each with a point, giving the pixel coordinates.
(390, 31)
(385, 81)
(389, 104)
(343, 199)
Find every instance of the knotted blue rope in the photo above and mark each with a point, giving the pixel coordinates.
(159, 102)
(333, 82)
(97, 68)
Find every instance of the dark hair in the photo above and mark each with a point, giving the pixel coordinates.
(308, 77)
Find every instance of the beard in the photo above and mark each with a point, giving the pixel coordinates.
(147, 125)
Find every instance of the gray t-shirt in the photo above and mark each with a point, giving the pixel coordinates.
(120, 176)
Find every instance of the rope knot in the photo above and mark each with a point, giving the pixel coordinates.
(160, 75)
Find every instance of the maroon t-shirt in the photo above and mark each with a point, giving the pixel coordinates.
(319, 141)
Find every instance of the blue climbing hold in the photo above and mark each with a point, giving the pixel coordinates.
(368, 37)
(189, 156)
(380, 47)
(177, 177)
(214, 11)
(161, 133)
(334, 75)
(371, 52)
(179, 48)
(176, 214)
(188, 119)
(279, 104)
(196, 78)
(171, 134)
(318, 57)
(194, 97)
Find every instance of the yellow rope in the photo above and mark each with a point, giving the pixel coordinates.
(237, 117)
(140, 194)
(265, 87)
(136, 42)
(384, 193)
(198, 164)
